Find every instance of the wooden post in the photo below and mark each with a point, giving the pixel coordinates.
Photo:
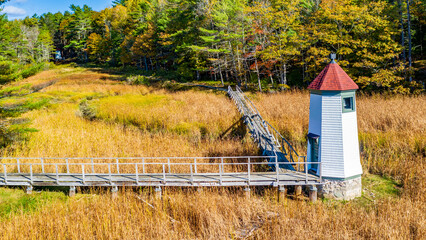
(57, 174)
(136, 174)
(72, 191)
(83, 174)
(118, 166)
(282, 193)
(5, 173)
(68, 165)
(313, 193)
(114, 191)
(192, 174)
(29, 189)
(31, 174)
(42, 165)
(158, 192)
(93, 165)
(247, 191)
(298, 190)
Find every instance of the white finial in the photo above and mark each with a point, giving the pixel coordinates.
(333, 57)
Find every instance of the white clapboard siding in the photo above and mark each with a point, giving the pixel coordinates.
(351, 145)
(331, 141)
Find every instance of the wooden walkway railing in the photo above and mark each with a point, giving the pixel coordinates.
(214, 171)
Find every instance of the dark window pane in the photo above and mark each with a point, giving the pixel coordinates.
(347, 103)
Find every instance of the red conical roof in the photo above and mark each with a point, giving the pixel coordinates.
(333, 78)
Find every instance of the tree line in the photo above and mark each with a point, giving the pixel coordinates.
(24, 48)
(266, 43)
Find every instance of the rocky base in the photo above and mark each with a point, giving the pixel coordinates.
(341, 189)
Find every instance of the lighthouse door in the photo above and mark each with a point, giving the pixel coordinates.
(314, 143)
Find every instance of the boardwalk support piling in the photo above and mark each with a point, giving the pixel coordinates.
(313, 193)
(72, 191)
(298, 190)
(158, 192)
(282, 193)
(29, 189)
(114, 191)
(247, 191)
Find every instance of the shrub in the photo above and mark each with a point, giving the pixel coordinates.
(32, 70)
(87, 111)
(138, 80)
(8, 71)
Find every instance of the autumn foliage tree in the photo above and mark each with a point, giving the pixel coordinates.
(259, 43)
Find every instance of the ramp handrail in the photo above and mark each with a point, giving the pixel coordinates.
(282, 143)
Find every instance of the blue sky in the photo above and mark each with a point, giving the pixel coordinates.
(22, 8)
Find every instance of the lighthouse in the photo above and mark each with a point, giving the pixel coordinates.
(333, 133)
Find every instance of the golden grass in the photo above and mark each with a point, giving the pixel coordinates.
(216, 215)
(198, 114)
(72, 136)
(391, 135)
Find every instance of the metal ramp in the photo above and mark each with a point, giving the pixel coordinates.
(269, 140)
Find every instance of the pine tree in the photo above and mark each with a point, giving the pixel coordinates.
(77, 28)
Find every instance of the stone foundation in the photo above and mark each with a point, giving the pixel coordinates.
(341, 189)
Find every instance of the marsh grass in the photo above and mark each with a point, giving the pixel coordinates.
(215, 214)
(15, 201)
(141, 121)
(198, 114)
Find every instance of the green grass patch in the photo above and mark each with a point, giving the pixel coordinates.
(376, 187)
(192, 128)
(136, 100)
(16, 90)
(73, 97)
(16, 201)
(380, 187)
(35, 105)
(10, 71)
(14, 110)
(213, 83)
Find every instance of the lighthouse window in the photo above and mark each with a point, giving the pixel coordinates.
(348, 104)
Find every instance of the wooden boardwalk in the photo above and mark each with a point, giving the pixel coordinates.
(185, 180)
(203, 171)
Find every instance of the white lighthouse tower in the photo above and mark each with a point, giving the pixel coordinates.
(333, 133)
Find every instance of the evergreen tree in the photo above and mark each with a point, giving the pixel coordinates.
(262, 43)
